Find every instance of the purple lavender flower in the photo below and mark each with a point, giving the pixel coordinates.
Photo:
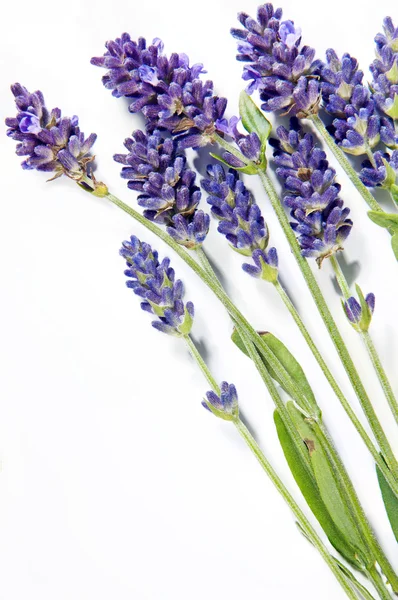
(51, 142)
(278, 68)
(240, 221)
(383, 171)
(360, 313)
(356, 127)
(157, 168)
(167, 91)
(225, 406)
(385, 81)
(155, 283)
(320, 220)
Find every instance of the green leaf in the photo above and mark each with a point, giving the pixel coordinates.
(390, 502)
(394, 244)
(311, 493)
(248, 170)
(253, 119)
(327, 482)
(388, 220)
(289, 363)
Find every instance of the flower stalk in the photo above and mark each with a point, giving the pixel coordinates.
(368, 342)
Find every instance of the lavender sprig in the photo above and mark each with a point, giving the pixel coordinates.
(168, 91)
(278, 68)
(52, 143)
(240, 221)
(156, 167)
(155, 283)
(385, 82)
(320, 219)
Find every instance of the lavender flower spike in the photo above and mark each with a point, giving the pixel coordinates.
(278, 68)
(382, 173)
(168, 91)
(156, 168)
(225, 406)
(155, 283)
(356, 127)
(385, 81)
(240, 221)
(51, 143)
(312, 193)
(360, 313)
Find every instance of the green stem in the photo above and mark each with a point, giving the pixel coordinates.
(344, 480)
(345, 163)
(203, 366)
(384, 381)
(368, 342)
(267, 379)
(302, 519)
(339, 345)
(379, 584)
(355, 505)
(334, 457)
(250, 441)
(363, 591)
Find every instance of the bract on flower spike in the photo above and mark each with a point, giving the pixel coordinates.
(167, 90)
(241, 221)
(281, 70)
(157, 168)
(154, 282)
(320, 219)
(50, 142)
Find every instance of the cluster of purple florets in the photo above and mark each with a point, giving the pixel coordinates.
(319, 216)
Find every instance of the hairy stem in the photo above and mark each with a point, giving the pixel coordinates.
(339, 345)
(369, 345)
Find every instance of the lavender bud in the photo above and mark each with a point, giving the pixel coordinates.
(51, 143)
(277, 67)
(155, 283)
(356, 127)
(240, 221)
(360, 313)
(156, 167)
(166, 90)
(225, 406)
(320, 220)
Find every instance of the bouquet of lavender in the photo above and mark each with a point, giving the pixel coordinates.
(315, 104)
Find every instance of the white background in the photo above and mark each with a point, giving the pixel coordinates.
(115, 482)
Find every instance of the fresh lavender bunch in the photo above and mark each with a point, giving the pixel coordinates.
(167, 91)
(278, 68)
(155, 283)
(157, 168)
(50, 142)
(320, 220)
(356, 126)
(225, 404)
(385, 82)
(240, 221)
